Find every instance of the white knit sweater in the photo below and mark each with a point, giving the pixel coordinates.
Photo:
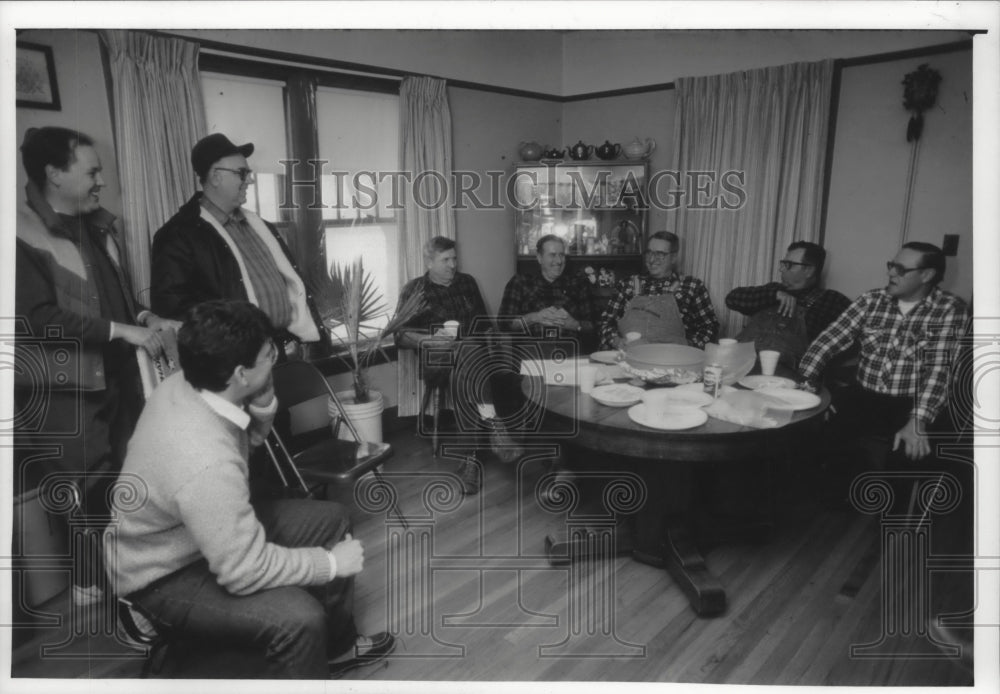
(192, 464)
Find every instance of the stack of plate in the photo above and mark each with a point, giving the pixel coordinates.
(671, 408)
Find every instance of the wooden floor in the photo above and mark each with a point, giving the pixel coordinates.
(469, 592)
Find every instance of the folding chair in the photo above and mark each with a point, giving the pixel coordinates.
(307, 461)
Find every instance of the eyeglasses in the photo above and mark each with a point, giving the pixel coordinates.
(898, 269)
(787, 264)
(243, 173)
(659, 255)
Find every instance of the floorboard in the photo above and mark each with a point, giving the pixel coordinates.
(491, 607)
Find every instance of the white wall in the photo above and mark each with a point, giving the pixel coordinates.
(868, 181)
(604, 60)
(530, 60)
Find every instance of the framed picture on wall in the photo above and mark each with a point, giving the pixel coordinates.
(35, 80)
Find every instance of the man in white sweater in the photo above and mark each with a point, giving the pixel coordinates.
(275, 576)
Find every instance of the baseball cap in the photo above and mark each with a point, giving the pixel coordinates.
(212, 148)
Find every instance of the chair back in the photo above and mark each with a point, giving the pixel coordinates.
(296, 382)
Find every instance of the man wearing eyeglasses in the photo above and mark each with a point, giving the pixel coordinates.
(788, 315)
(661, 305)
(213, 248)
(908, 334)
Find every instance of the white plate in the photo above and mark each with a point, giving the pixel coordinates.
(757, 382)
(607, 356)
(795, 399)
(700, 388)
(617, 395)
(687, 419)
(673, 396)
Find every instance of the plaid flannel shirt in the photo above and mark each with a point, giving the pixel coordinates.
(528, 293)
(460, 301)
(700, 323)
(900, 355)
(822, 306)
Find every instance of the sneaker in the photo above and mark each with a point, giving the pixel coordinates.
(85, 596)
(367, 650)
(468, 474)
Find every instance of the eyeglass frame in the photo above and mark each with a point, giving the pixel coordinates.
(787, 264)
(659, 255)
(244, 173)
(898, 270)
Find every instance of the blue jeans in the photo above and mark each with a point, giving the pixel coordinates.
(296, 629)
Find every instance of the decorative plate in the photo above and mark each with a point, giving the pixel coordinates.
(758, 382)
(794, 399)
(617, 395)
(681, 419)
(607, 356)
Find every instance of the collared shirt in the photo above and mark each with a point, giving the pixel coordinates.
(460, 301)
(529, 293)
(693, 302)
(264, 276)
(822, 306)
(900, 354)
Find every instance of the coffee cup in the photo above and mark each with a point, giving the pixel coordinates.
(768, 361)
(587, 376)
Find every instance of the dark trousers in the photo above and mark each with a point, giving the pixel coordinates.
(295, 630)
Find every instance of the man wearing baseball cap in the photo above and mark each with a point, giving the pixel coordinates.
(215, 249)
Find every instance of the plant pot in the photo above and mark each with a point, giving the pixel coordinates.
(366, 416)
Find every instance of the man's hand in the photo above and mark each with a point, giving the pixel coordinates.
(154, 322)
(350, 556)
(147, 338)
(549, 316)
(915, 445)
(264, 396)
(786, 303)
(566, 320)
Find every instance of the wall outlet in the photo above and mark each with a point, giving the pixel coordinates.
(950, 245)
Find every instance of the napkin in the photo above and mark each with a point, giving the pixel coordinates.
(750, 409)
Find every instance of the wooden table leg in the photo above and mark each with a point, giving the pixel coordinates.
(687, 567)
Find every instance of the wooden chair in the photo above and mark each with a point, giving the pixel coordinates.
(308, 461)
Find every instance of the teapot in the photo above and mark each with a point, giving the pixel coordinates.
(580, 151)
(530, 151)
(553, 153)
(636, 149)
(608, 151)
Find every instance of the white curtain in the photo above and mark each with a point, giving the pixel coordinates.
(425, 153)
(771, 124)
(159, 116)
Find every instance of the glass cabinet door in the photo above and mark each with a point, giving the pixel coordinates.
(598, 209)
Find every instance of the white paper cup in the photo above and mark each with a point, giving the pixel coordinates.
(768, 361)
(451, 327)
(587, 375)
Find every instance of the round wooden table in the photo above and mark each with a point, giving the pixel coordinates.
(610, 430)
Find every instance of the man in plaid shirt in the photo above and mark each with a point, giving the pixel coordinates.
(446, 359)
(908, 334)
(800, 271)
(661, 277)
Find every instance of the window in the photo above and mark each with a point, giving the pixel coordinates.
(357, 131)
(248, 109)
(358, 138)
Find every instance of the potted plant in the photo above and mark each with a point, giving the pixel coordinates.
(352, 310)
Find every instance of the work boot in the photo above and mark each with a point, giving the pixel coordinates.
(468, 474)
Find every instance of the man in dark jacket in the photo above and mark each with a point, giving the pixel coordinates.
(77, 390)
(215, 249)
